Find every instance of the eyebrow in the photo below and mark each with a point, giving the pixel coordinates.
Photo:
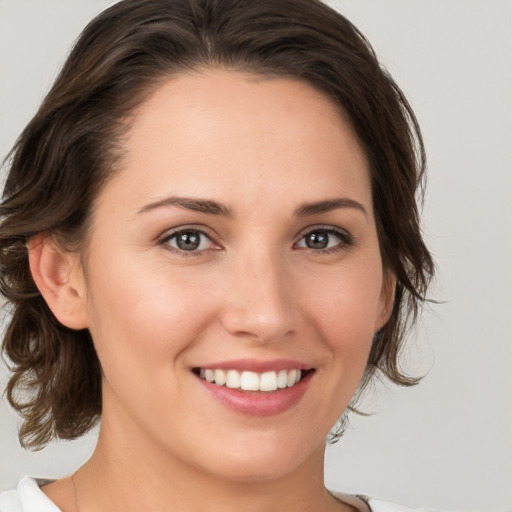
(211, 207)
(197, 205)
(307, 209)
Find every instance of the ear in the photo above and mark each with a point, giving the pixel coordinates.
(58, 276)
(387, 299)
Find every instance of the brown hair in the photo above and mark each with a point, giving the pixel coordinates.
(69, 149)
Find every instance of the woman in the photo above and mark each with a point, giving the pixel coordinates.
(210, 240)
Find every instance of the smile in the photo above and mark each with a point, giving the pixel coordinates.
(252, 381)
(255, 387)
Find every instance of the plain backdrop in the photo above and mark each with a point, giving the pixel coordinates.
(448, 441)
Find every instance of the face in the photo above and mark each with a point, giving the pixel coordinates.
(236, 242)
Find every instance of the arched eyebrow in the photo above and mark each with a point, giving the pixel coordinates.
(317, 207)
(189, 203)
(211, 207)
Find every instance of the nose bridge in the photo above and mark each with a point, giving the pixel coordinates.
(260, 301)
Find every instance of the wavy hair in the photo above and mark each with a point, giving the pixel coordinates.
(70, 148)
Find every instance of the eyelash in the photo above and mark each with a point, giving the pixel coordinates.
(182, 252)
(345, 240)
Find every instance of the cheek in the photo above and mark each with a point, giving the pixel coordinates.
(344, 307)
(143, 317)
(346, 302)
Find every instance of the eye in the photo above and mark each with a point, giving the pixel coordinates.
(325, 239)
(189, 240)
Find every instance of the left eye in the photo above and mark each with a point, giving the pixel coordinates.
(189, 240)
(322, 239)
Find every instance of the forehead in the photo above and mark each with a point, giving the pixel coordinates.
(226, 133)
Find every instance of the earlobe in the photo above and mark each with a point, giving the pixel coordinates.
(57, 274)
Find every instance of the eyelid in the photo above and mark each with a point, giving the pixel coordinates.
(171, 233)
(346, 238)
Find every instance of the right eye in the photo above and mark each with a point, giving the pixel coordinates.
(189, 240)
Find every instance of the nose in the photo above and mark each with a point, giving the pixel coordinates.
(259, 302)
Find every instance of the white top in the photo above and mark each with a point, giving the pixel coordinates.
(28, 497)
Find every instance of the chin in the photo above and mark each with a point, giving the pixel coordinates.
(263, 459)
(252, 471)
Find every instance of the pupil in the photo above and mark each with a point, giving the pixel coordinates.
(317, 240)
(188, 241)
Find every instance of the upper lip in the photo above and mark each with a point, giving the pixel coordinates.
(256, 365)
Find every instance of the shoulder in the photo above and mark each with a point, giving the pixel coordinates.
(9, 501)
(385, 506)
(27, 497)
(366, 504)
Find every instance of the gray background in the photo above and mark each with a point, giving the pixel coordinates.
(447, 442)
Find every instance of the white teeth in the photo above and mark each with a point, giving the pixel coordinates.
(268, 381)
(292, 375)
(282, 379)
(252, 381)
(232, 379)
(220, 377)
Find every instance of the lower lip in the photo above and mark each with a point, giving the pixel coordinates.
(263, 403)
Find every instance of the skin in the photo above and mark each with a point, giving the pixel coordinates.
(262, 148)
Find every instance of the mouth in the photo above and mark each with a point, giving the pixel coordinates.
(250, 381)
